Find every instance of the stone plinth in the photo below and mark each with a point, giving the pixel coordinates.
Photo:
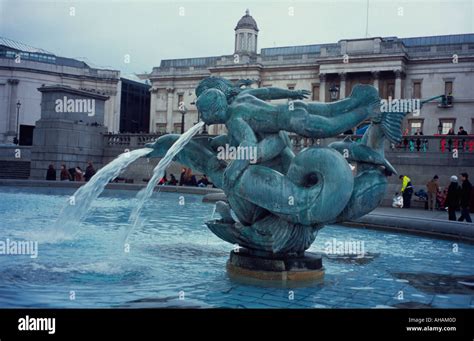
(242, 264)
(71, 134)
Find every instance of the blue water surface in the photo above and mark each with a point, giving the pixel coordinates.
(173, 260)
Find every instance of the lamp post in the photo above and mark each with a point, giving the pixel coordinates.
(182, 110)
(17, 137)
(334, 92)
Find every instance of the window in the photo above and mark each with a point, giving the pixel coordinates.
(447, 124)
(448, 88)
(291, 86)
(316, 92)
(417, 89)
(177, 128)
(180, 100)
(415, 126)
(389, 90)
(161, 128)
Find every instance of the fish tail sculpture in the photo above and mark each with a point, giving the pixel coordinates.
(370, 182)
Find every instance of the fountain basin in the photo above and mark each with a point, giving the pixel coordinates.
(174, 253)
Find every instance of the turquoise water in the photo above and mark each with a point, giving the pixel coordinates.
(173, 260)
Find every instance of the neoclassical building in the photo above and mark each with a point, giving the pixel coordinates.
(24, 69)
(419, 67)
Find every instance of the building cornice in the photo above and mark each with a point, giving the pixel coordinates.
(61, 74)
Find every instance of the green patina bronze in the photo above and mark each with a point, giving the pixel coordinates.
(278, 202)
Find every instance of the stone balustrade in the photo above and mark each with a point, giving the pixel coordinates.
(131, 141)
(410, 144)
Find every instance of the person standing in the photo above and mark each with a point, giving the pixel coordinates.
(432, 189)
(461, 131)
(181, 177)
(406, 190)
(51, 173)
(466, 189)
(79, 174)
(90, 171)
(452, 198)
(64, 175)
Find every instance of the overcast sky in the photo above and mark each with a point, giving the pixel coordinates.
(103, 32)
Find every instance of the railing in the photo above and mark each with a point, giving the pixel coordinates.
(435, 144)
(409, 144)
(129, 140)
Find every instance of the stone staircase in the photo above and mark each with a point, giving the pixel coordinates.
(15, 169)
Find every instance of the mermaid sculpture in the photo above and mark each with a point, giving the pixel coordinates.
(276, 206)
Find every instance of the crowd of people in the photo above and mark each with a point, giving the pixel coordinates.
(451, 131)
(456, 197)
(71, 174)
(187, 178)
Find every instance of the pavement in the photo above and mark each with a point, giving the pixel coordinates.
(417, 221)
(414, 213)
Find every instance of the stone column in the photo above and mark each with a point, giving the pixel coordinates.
(169, 110)
(376, 77)
(322, 87)
(13, 98)
(342, 86)
(398, 84)
(153, 94)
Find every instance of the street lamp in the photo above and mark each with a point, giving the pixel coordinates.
(334, 92)
(182, 110)
(17, 137)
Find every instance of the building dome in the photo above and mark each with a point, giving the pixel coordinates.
(247, 21)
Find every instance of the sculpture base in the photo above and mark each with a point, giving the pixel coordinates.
(245, 265)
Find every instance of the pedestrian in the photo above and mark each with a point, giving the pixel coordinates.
(462, 131)
(418, 132)
(465, 198)
(79, 174)
(64, 175)
(51, 173)
(90, 171)
(451, 131)
(181, 177)
(172, 181)
(72, 174)
(189, 179)
(452, 198)
(204, 181)
(406, 190)
(163, 180)
(432, 189)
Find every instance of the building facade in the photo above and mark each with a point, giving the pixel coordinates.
(24, 69)
(411, 68)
